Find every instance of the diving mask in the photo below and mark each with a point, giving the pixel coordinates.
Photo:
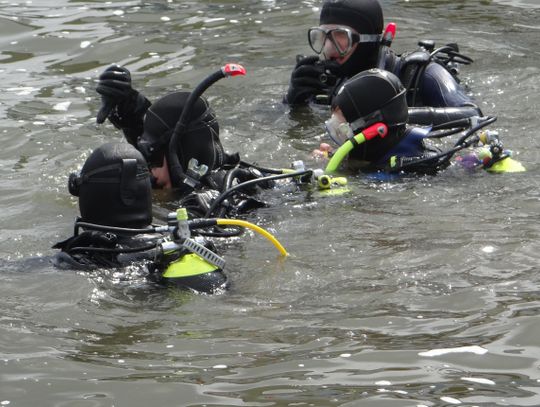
(338, 131)
(342, 38)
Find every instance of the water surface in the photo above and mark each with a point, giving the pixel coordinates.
(420, 292)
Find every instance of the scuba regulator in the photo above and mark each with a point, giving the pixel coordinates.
(180, 256)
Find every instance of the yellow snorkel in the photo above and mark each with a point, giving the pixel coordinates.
(375, 130)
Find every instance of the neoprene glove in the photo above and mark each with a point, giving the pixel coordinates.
(115, 89)
(306, 81)
(120, 103)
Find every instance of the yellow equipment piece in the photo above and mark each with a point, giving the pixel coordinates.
(261, 231)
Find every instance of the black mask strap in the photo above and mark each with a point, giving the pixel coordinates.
(128, 181)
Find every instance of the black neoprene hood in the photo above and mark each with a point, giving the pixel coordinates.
(161, 119)
(114, 187)
(371, 91)
(365, 16)
(369, 97)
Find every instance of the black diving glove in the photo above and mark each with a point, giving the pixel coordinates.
(120, 103)
(308, 81)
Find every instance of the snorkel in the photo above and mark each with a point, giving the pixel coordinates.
(386, 42)
(177, 174)
(375, 130)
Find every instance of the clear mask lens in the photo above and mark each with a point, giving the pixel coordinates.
(316, 38)
(340, 38)
(338, 132)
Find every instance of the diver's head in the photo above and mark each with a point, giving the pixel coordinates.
(369, 97)
(200, 139)
(349, 33)
(114, 187)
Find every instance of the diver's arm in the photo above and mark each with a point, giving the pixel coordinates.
(131, 120)
(438, 115)
(443, 99)
(438, 88)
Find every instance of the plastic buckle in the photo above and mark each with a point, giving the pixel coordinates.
(194, 172)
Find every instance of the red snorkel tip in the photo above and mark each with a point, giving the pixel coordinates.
(391, 28)
(233, 70)
(377, 129)
(389, 33)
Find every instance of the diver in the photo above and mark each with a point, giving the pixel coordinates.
(178, 135)
(115, 225)
(149, 127)
(375, 135)
(350, 39)
(352, 112)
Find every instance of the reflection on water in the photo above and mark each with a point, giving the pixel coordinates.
(526, 4)
(417, 292)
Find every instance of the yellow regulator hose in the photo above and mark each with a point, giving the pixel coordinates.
(266, 234)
